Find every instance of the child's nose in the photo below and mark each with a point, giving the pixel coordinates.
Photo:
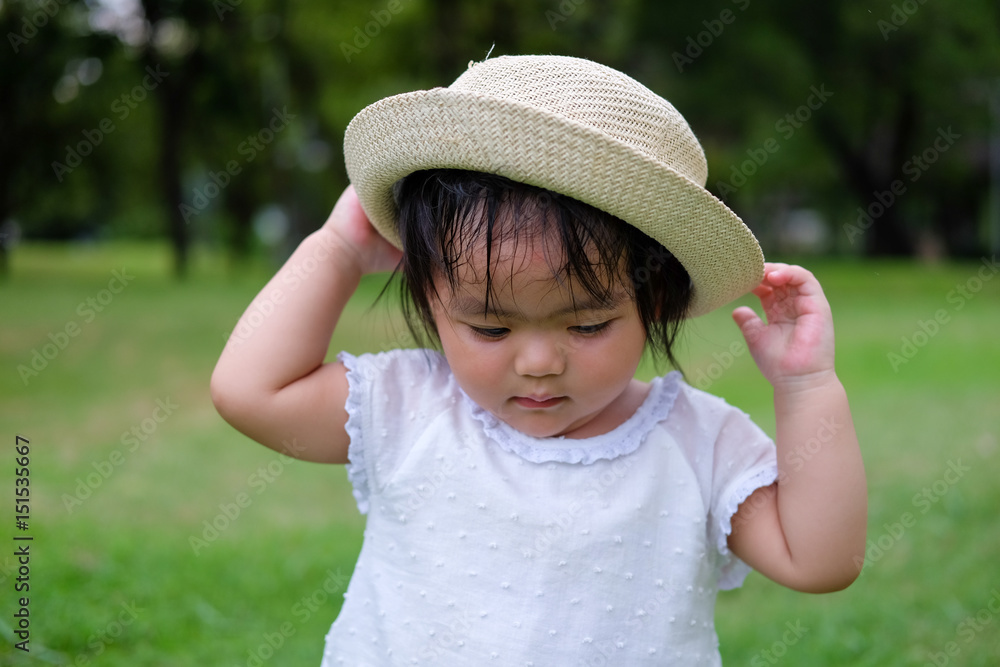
(540, 355)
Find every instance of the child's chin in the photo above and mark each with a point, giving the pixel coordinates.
(537, 426)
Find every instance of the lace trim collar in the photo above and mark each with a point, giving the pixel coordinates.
(623, 439)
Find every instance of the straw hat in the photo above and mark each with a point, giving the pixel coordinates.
(571, 126)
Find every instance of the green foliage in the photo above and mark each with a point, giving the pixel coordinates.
(899, 71)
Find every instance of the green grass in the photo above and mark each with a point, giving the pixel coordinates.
(119, 564)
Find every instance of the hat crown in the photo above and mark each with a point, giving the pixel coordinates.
(595, 96)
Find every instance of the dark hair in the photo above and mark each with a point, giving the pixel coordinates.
(444, 213)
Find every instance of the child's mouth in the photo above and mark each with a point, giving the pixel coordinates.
(532, 403)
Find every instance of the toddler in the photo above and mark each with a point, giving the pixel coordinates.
(529, 501)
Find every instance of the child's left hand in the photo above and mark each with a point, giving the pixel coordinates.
(807, 530)
(796, 343)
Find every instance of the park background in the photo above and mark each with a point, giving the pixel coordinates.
(160, 159)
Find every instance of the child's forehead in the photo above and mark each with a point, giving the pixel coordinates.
(535, 255)
(519, 239)
(528, 297)
(528, 249)
(528, 274)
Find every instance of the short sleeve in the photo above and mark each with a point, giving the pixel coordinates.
(391, 395)
(743, 459)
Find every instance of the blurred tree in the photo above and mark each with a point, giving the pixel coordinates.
(46, 60)
(226, 129)
(177, 69)
(898, 76)
(829, 106)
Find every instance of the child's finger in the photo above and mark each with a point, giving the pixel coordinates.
(789, 275)
(749, 323)
(763, 290)
(347, 204)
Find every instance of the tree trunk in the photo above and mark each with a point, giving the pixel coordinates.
(169, 95)
(171, 110)
(883, 231)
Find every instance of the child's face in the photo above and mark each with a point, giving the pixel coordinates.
(546, 359)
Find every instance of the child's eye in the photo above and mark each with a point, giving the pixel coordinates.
(490, 332)
(588, 329)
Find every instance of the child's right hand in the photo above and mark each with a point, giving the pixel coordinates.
(271, 381)
(369, 250)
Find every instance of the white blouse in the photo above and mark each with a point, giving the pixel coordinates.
(486, 546)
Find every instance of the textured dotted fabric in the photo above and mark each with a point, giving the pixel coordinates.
(485, 546)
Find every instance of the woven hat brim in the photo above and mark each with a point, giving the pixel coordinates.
(445, 128)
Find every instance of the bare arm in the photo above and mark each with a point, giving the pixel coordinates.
(806, 531)
(270, 382)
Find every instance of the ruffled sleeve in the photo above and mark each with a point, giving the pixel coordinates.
(732, 570)
(391, 396)
(357, 471)
(733, 458)
(745, 460)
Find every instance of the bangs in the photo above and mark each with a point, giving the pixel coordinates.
(446, 216)
(497, 217)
